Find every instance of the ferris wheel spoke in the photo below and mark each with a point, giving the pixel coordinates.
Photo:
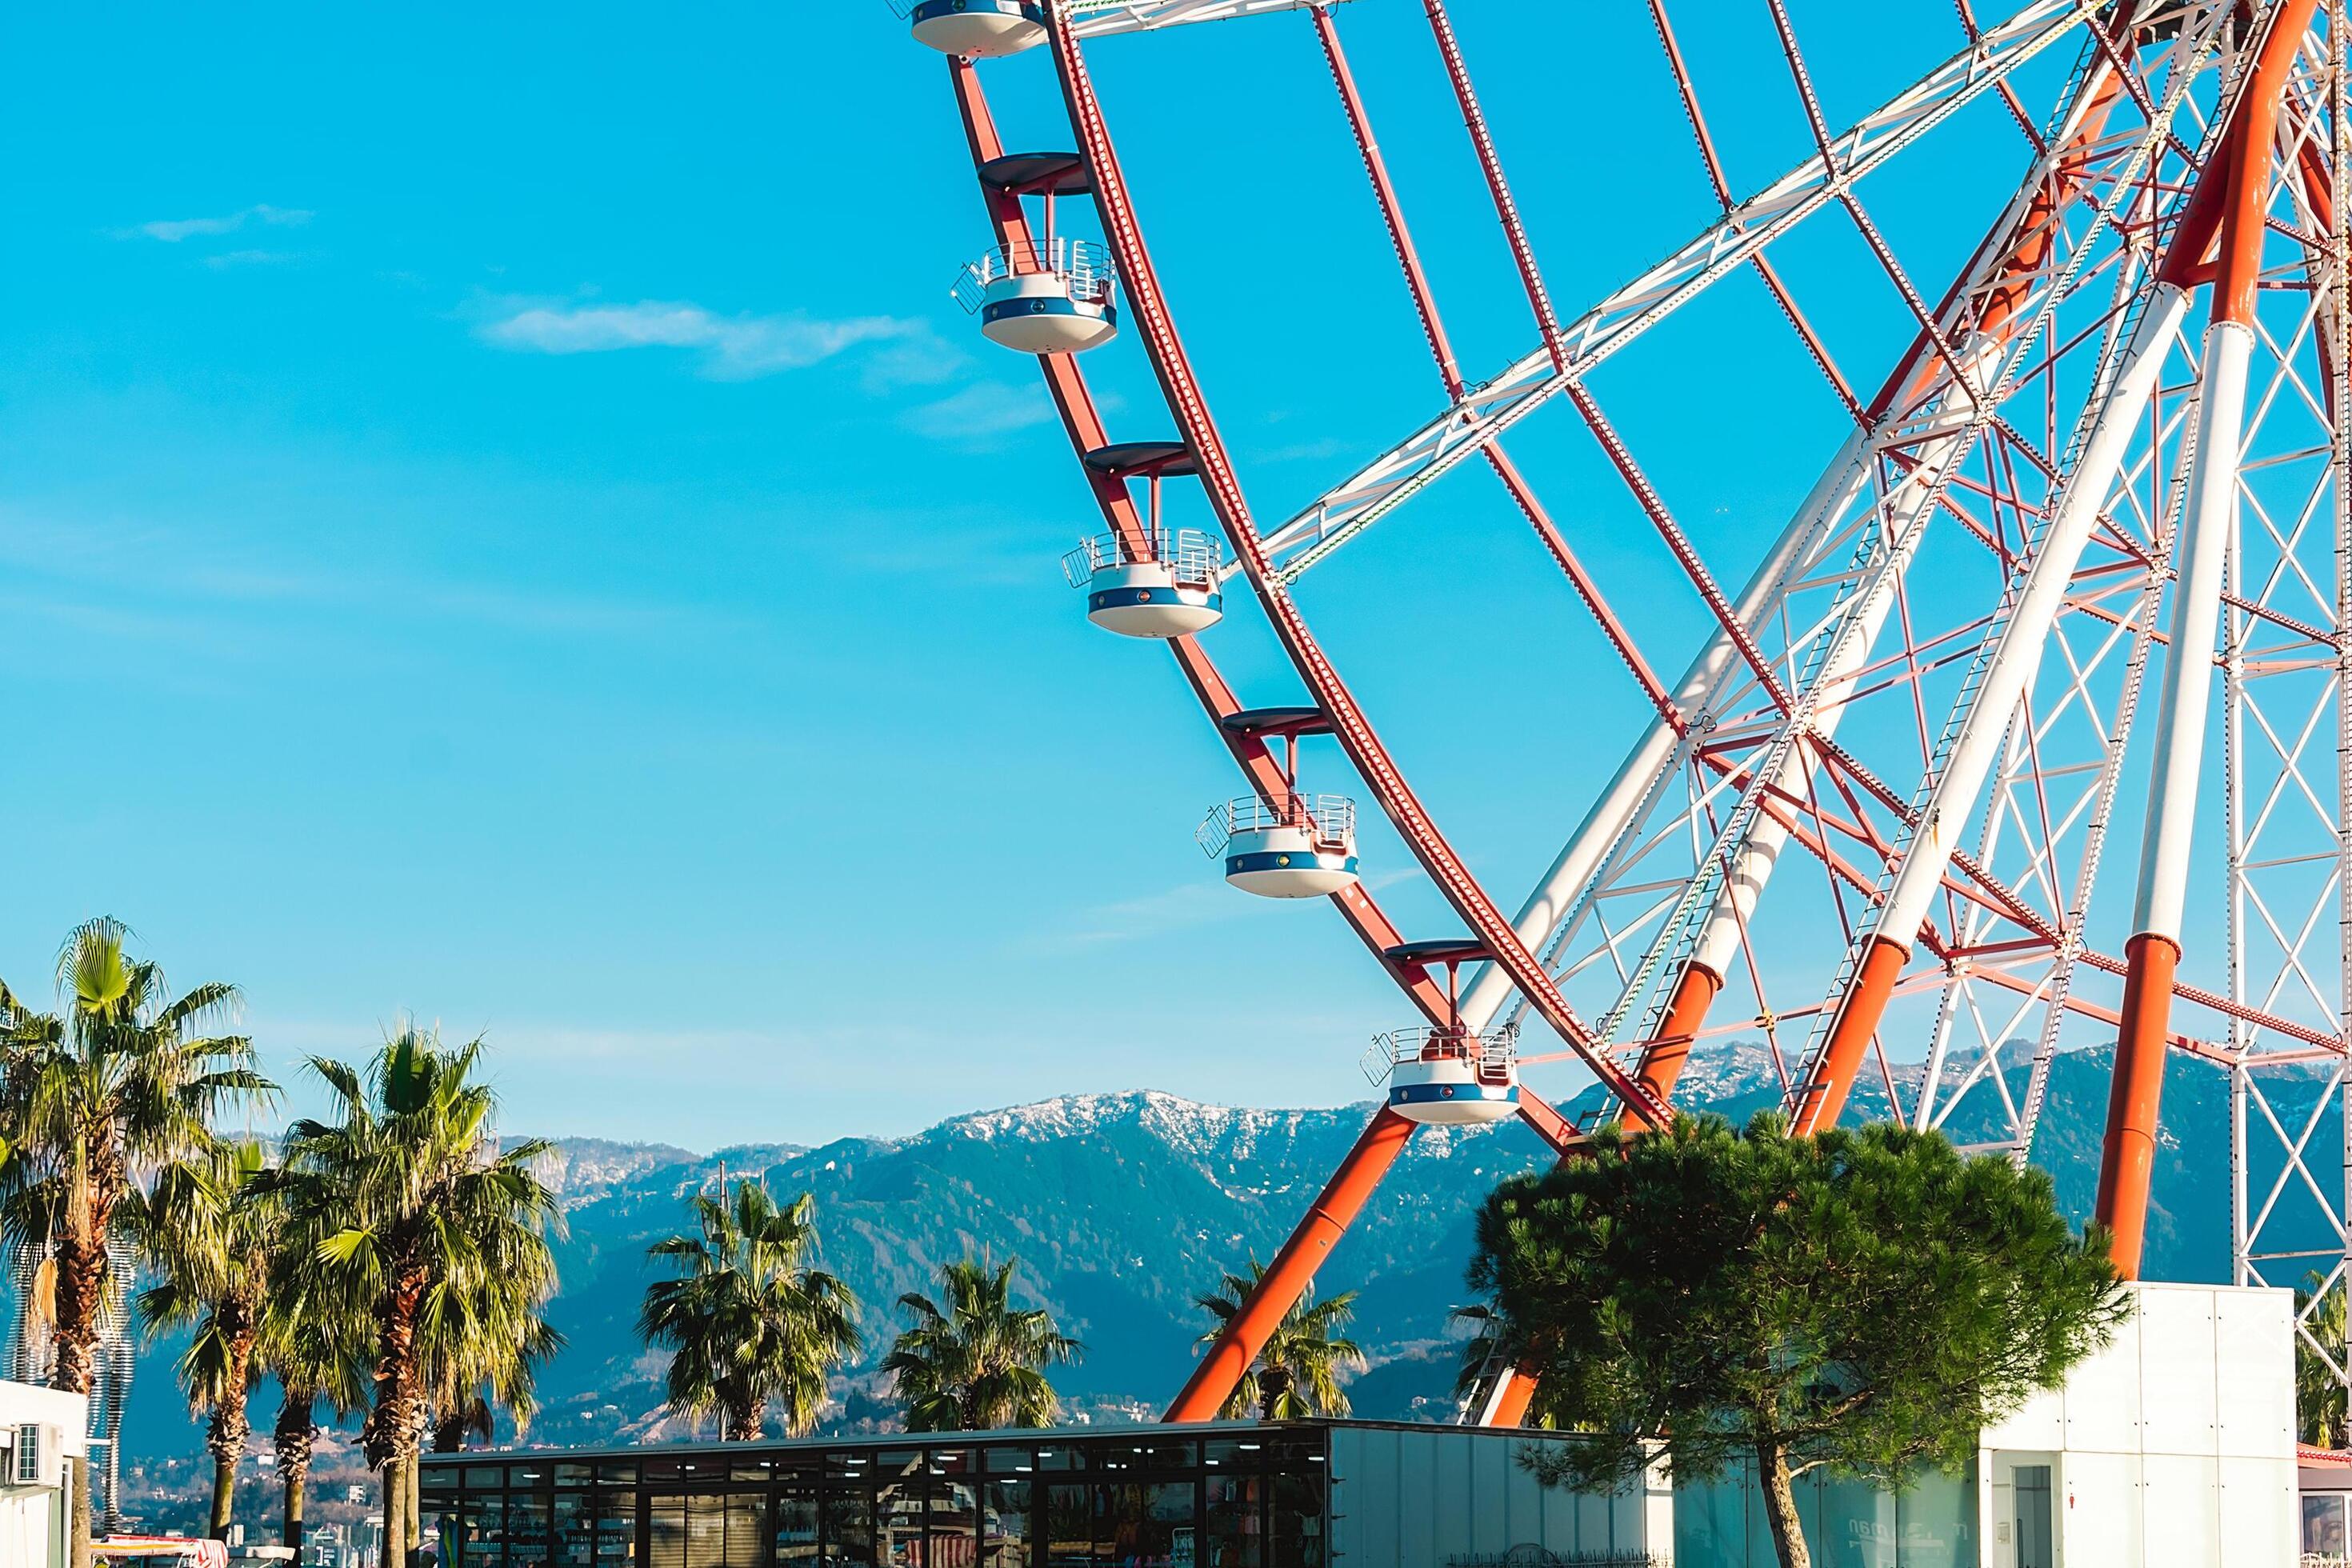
(1441, 350)
(1487, 410)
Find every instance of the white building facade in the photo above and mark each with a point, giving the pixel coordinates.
(40, 1429)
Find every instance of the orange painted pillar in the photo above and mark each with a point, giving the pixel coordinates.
(1663, 1058)
(1245, 1334)
(1508, 1406)
(2127, 1154)
(2128, 1157)
(1859, 1010)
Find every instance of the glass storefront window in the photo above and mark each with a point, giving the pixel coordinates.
(899, 1485)
(481, 1531)
(572, 1538)
(2323, 1524)
(1232, 1526)
(526, 1528)
(438, 1508)
(1010, 1461)
(1005, 1523)
(1294, 1523)
(848, 1527)
(798, 1526)
(607, 1470)
(573, 1475)
(1151, 1525)
(1070, 1525)
(953, 1520)
(1061, 1457)
(666, 1531)
(616, 1528)
(747, 1530)
(485, 1477)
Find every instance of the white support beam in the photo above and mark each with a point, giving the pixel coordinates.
(1101, 18)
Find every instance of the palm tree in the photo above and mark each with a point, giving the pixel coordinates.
(215, 1234)
(1297, 1373)
(747, 1321)
(980, 1365)
(95, 1099)
(483, 1354)
(405, 1202)
(314, 1339)
(2318, 1387)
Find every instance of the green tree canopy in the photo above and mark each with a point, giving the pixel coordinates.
(1297, 1373)
(748, 1322)
(1865, 1300)
(980, 1364)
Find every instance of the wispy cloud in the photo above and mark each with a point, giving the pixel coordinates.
(730, 348)
(250, 258)
(171, 231)
(981, 412)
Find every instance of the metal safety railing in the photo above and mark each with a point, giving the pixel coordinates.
(1490, 1054)
(1329, 820)
(1194, 558)
(1083, 267)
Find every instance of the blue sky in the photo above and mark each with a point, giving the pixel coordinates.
(499, 519)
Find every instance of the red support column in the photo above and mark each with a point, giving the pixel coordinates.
(1245, 1333)
(1859, 1010)
(2128, 1157)
(1663, 1058)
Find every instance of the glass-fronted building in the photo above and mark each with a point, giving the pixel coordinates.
(1286, 1495)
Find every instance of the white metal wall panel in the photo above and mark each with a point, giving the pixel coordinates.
(2099, 1512)
(1489, 1494)
(1418, 1498)
(2180, 1510)
(1417, 1524)
(2254, 1374)
(1559, 1507)
(2102, 1399)
(1448, 1492)
(1536, 1512)
(2042, 1424)
(2176, 1374)
(2261, 1512)
(1364, 1472)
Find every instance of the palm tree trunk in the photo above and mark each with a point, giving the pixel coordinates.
(223, 1496)
(291, 1438)
(395, 1518)
(78, 1512)
(411, 1498)
(289, 1533)
(1780, 1505)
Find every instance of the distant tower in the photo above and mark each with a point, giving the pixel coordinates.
(27, 1351)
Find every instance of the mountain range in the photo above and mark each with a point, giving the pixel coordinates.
(1122, 1207)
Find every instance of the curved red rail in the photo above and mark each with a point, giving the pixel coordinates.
(1148, 309)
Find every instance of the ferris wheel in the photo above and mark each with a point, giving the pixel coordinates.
(2083, 567)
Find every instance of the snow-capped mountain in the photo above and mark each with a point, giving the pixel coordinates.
(1123, 1207)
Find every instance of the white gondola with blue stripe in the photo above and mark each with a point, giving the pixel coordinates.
(977, 29)
(1447, 1077)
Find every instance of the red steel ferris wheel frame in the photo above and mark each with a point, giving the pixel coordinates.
(1642, 1095)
